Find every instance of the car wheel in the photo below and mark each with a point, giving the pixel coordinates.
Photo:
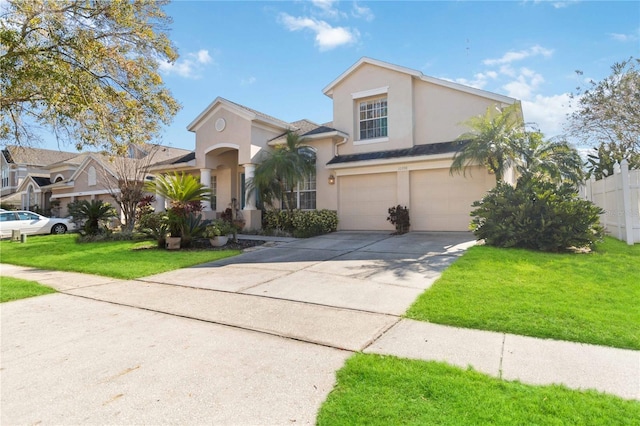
(58, 228)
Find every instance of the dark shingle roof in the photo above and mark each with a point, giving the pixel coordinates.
(415, 151)
(177, 160)
(41, 181)
(320, 129)
(306, 127)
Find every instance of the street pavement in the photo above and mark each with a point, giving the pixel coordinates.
(256, 338)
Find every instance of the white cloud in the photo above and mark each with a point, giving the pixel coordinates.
(557, 4)
(203, 56)
(479, 80)
(189, 67)
(247, 81)
(524, 85)
(362, 12)
(548, 112)
(625, 37)
(513, 56)
(326, 36)
(327, 9)
(563, 4)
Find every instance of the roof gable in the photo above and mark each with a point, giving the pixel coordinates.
(246, 112)
(328, 90)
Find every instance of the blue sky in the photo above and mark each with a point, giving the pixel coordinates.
(277, 57)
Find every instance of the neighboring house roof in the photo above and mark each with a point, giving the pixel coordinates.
(415, 151)
(165, 153)
(328, 90)
(177, 160)
(250, 113)
(35, 156)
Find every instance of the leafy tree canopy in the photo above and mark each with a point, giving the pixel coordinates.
(87, 70)
(609, 110)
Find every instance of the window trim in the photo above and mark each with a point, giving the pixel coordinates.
(369, 93)
(358, 104)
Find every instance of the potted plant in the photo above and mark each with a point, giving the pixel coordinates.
(218, 232)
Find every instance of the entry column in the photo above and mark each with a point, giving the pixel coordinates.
(205, 180)
(252, 216)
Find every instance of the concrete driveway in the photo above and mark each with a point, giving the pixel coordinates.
(254, 339)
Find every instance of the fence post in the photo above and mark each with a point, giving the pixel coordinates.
(626, 201)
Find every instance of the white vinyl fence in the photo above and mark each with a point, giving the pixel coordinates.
(619, 197)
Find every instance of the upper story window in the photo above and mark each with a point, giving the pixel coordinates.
(373, 118)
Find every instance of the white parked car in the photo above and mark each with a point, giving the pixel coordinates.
(32, 223)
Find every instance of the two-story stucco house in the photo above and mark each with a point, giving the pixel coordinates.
(390, 142)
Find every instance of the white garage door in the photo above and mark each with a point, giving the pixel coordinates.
(441, 202)
(364, 201)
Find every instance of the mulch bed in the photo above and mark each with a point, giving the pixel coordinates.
(203, 243)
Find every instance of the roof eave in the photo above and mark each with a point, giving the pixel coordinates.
(395, 160)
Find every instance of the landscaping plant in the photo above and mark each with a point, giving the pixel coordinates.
(94, 214)
(536, 214)
(399, 217)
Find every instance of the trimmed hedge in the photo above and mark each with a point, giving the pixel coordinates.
(301, 223)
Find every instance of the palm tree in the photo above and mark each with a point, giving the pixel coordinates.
(94, 213)
(491, 141)
(556, 161)
(185, 194)
(184, 191)
(278, 175)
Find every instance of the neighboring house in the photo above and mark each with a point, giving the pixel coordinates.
(391, 142)
(68, 177)
(17, 163)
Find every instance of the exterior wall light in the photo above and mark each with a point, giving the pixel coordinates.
(332, 179)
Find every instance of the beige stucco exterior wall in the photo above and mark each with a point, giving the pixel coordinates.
(236, 135)
(326, 194)
(440, 111)
(400, 112)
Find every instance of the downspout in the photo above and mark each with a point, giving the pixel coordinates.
(344, 140)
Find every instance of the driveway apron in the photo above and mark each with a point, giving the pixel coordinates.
(253, 339)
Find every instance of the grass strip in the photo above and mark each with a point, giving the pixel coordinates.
(116, 259)
(582, 297)
(384, 390)
(16, 289)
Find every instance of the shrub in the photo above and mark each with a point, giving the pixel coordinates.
(301, 223)
(537, 215)
(277, 220)
(310, 223)
(93, 215)
(219, 228)
(399, 217)
(155, 225)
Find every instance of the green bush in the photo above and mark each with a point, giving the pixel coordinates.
(155, 225)
(301, 223)
(399, 217)
(538, 215)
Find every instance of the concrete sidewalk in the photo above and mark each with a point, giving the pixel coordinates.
(511, 357)
(256, 338)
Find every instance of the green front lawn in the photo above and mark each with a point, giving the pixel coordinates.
(591, 298)
(15, 289)
(117, 259)
(382, 390)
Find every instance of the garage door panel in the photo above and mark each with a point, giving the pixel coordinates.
(441, 202)
(364, 201)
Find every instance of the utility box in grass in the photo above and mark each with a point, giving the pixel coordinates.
(15, 235)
